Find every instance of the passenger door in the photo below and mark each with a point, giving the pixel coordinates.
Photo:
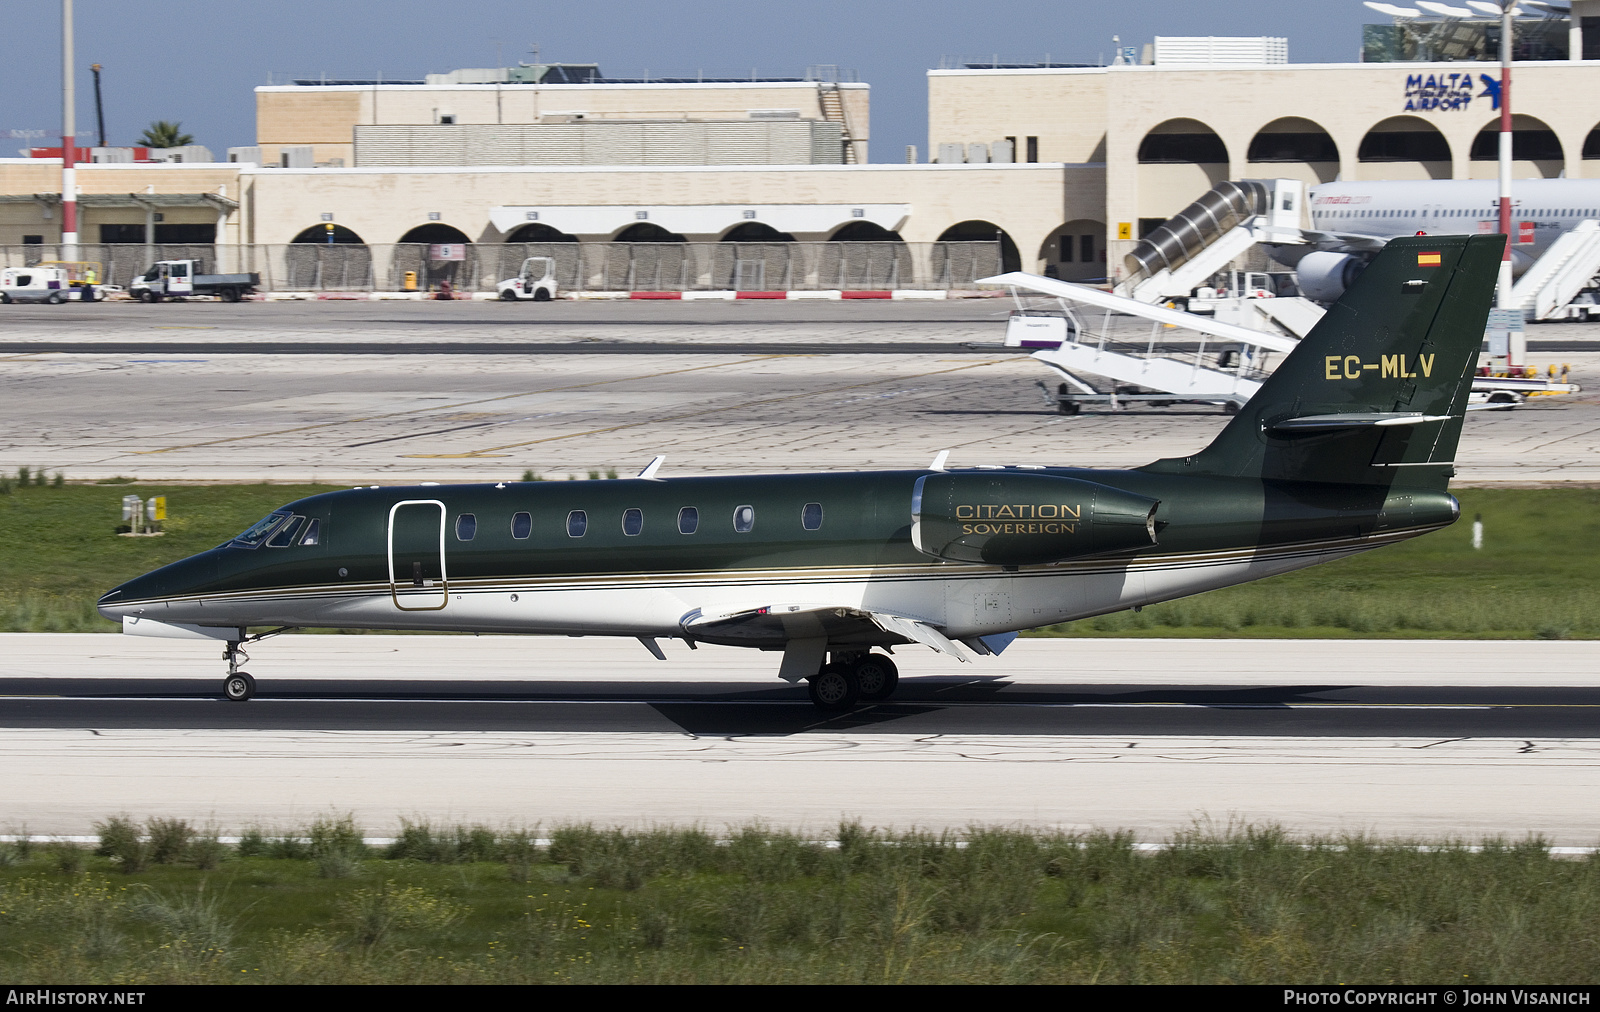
(417, 577)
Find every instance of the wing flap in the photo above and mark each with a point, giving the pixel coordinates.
(780, 624)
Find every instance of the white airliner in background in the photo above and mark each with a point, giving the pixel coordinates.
(1542, 209)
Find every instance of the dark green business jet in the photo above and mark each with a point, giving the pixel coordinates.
(1348, 446)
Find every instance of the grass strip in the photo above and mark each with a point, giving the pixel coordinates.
(469, 904)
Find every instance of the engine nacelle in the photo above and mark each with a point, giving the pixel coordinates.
(1324, 276)
(1019, 519)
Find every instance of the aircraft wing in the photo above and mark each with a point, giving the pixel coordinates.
(1349, 242)
(1133, 307)
(836, 625)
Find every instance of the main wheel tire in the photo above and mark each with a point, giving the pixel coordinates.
(834, 688)
(239, 686)
(876, 677)
(507, 295)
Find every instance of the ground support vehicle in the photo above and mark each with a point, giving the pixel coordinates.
(536, 282)
(48, 283)
(176, 279)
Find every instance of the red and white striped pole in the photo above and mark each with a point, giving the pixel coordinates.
(69, 133)
(1506, 9)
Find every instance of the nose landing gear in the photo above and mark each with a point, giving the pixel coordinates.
(238, 686)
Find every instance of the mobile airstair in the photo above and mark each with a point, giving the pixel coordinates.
(1547, 289)
(1225, 367)
(1204, 238)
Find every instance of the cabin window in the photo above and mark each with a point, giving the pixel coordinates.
(521, 526)
(258, 531)
(577, 523)
(744, 519)
(285, 536)
(313, 533)
(466, 527)
(688, 520)
(632, 521)
(811, 516)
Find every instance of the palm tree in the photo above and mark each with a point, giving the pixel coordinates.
(162, 134)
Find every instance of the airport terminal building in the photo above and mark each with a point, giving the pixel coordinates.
(1066, 166)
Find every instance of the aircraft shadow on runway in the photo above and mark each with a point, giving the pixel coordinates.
(923, 705)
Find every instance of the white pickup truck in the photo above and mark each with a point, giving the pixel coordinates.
(175, 279)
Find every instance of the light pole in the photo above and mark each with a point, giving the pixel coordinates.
(69, 132)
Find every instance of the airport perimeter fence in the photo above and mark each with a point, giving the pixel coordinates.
(579, 266)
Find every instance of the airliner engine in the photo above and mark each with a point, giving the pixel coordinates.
(1011, 519)
(1324, 276)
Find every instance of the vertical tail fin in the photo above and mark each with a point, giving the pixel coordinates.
(1375, 394)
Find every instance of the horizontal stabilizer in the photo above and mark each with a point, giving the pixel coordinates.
(1381, 419)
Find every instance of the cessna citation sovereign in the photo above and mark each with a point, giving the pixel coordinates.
(1348, 446)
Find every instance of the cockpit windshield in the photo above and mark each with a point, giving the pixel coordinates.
(260, 530)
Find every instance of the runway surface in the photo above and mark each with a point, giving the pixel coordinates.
(1394, 737)
(366, 393)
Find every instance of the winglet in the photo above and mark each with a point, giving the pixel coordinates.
(938, 461)
(650, 469)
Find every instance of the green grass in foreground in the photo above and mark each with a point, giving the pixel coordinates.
(471, 905)
(1533, 577)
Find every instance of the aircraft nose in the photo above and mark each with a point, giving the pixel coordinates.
(187, 576)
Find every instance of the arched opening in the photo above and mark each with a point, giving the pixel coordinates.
(755, 231)
(536, 232)
(327, 257)
(1535, 149)
(1182, 141)
(1178, 160)
(864, 231)
(646, 231)
(435, 233)
(1591, 143)
(1076, 251)
(863, 256)
(1409, 148)
(985, 231)
(1296, 148)
(415, 265)
(321, 234)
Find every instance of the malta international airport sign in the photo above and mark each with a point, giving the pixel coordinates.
(1449, 91)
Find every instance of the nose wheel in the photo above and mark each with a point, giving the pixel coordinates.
(239, 686)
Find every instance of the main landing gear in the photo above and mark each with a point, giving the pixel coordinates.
(853, 678)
